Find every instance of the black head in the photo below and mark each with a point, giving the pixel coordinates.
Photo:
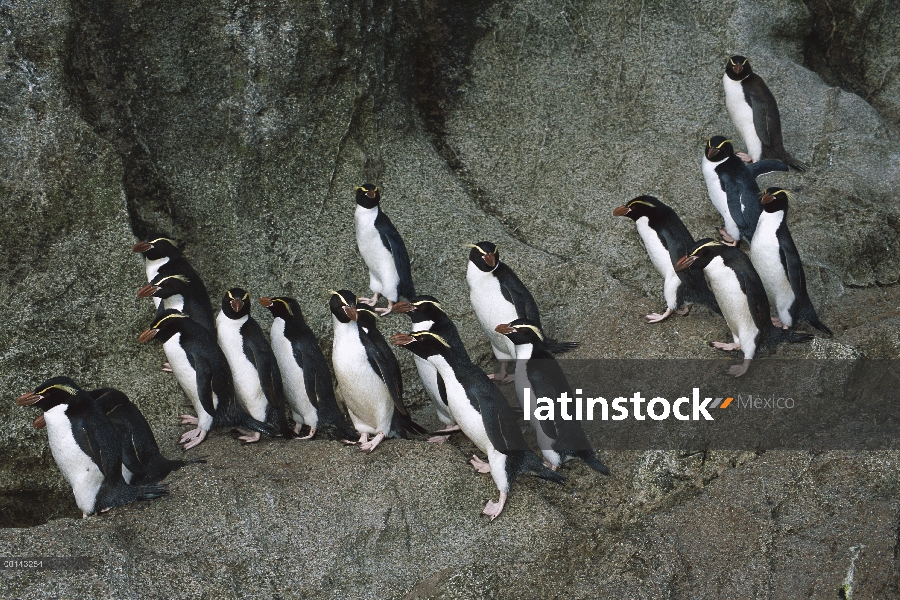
(283, 308)
(738, 68)
(775, 198)
(164, 286)
(343, 305)
(368, 195)
(236, 303)
(167, 323)
(701, 253)
(484, 255)
(422, 343)
(521, 331)
(158, 245)
(366, 315)
(718, 148)
(421, 308)
(642, 206)
(51, 393)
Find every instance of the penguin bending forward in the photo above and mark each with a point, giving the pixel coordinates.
(183, 294)
(666, 239)
(499, 296)
(307, 380)
(382, 249)
(202, 372)
(754, 113)
(777, 261)
(86, 446)
(369, 378)
(482, 413)
(742, 298)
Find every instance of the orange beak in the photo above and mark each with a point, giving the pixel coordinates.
(402, 339)
(490, 259)
(684, 262)
(147, 335)
(236, 305)
(621, 211)
(267, 302)
(504, 329)
(350, 311)
(767, 198)
(148, 290)
(27, 399)
(40, 423)
(141, 247)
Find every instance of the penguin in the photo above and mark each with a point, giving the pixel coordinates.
(777, 261)
(426, 315)
(732, 188)
(499, 296)
(754, 113)
(666, 239)
(742, 298)
(202, 372)
(183, 294)
(483, 415)
(369, 378)
(86, 446)
(382, 249)
(307, 380)
(254, 368)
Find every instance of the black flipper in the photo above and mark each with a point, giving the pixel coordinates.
(790, 259)
(766, 166)
(257, 349)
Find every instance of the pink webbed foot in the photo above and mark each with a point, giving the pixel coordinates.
(726, 347)
(438, 439)
(727, 239)
(166, 368)
(188, 420)
(684, 311)
(744, 157)
(369, 301)
(480, 465)
(443, 435)
(550, 465)
(778, 323)
(493, 509)
(248, 437)
(363, 438)
(497, 378)
(192, 438)
(656, 317)
(738, 370)
(385, 311)
(371, 445)
(308, 436)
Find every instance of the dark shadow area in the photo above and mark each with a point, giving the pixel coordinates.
(36, 507)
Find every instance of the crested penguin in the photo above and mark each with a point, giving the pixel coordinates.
(483, 415)
(742, 298)
(307, 380)
(666, 239)
(754, 113)
(560, 439)
(732, 188)
(183, 294)
(499, 296)
(86, 446)
(368, 377)
(382, 249)
(777, 261)
(254, 368)
(202, 372)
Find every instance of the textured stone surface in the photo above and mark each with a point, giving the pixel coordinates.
(243, 126)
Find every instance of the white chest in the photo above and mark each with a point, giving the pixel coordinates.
(725, 285)
(718, 196)
(77, 467)
(766, 257)
(246, 379)
(367, 398)
(187, 378)
(176, 301)
(659, 256)
(465, 415)
(490, 306)
(377, 257)
(291, 374)
(742, 116)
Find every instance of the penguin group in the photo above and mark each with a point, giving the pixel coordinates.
(742, 287)
(238, 378)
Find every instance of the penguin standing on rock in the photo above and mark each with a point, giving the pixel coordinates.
(86, 446)
(560, 439)
(257, 379)
(666, 239)
(307, 380)
(426, 315)
(742, 298)
(777, 261)
(368, 378)
(179, 292)
(382, 249)
(483, 415)
(732, 188)
(754, 113)
(202, 372)
(499, 296)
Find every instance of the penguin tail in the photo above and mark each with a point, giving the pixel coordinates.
(591, 460)
(529, 462)
(793, 163)
(232, 415)
(557, 347)
(815, 322)
(778, 336)
(808, 315)
(120, 495)
(161, 467)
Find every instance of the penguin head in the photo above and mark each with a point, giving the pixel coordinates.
(164, 286)
(420, 308)
(236, 303)
(158, 245)
(484, 255)
(283, 308)
(368, 195)
(718, 148)
(166, 324)
(642, 206)
(422, 343)
(738, 68)
(521, 331)
(343, 305)
(774, 199)
(51, 393)
(701, 253)
(366, 315)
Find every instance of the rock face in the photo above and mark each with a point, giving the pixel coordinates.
(242, 128)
